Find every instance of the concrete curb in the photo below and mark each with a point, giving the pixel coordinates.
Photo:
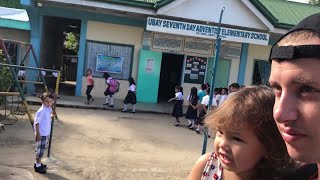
(96, 107)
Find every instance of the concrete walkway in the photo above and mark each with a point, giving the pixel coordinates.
(78, 102)
(12, 173)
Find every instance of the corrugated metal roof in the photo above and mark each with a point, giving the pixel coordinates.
(151, 4)
(14, 18)
(285, 14)
(14, 14)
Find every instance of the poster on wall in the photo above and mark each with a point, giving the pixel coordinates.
(149, 66)
(109, 64)
(195, 70)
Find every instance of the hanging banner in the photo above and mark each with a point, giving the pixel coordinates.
(198, 46)
(167, 42)
(206, 31)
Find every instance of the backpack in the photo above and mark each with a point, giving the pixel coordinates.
(114, 86)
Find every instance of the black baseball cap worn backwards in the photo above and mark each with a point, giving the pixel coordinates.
(279, 53)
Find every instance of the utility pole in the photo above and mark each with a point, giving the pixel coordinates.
(213, 73)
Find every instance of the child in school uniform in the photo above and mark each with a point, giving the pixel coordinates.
(191, 114)
(90, 85)
(107, 92)
(177, 109)
(42, 127)
(202, 111)
(131, 97)
(21, 77)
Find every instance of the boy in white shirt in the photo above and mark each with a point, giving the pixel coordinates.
(42, 127)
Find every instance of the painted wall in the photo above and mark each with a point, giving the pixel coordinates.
(114, 33)
(18, 35)
(255, 52)
(15, 34)
(209, 10)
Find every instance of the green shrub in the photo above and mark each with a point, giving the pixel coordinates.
(6, 79)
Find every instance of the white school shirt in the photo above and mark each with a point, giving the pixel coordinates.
(108, 80)
(205, 101)
(223, 98)
(22, 73)
(43, 118)
(179, 96)
(132, 88)
(55, 74)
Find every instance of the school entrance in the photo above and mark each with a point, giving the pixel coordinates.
(158, 74)
(170, 75)
(59, 51)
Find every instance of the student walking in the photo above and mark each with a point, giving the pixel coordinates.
(107, 92)
(42, 127)
(177, 109)
(90, 84)
(131, 97)
(191, 114)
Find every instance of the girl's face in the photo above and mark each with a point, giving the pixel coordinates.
(176, 90)
(239, 151)
(89, 72)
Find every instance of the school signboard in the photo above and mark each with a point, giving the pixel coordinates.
(206, 31)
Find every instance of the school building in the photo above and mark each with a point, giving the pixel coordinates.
(161, 43)
(14, 25)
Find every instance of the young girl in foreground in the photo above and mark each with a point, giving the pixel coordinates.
(248, 144)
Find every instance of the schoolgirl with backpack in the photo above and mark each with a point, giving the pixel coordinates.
(112, 88)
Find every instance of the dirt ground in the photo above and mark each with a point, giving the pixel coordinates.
(95, 144)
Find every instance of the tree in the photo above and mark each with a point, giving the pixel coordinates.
(11, 4)
(314, 2)
(72, 42)
(5, 77)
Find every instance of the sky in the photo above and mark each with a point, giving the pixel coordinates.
(302, 1)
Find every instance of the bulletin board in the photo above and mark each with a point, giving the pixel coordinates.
(116, 59)
(195, 69)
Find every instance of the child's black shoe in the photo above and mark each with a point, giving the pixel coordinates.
(111, 106)
(40, 170)
(42, 165)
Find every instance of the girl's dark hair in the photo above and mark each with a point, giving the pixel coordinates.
(194, 91)
(203, 86)
(208, 90)
(106, 75)
(180, 89)
(131, 81)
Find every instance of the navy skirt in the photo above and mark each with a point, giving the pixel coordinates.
(177, 109)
